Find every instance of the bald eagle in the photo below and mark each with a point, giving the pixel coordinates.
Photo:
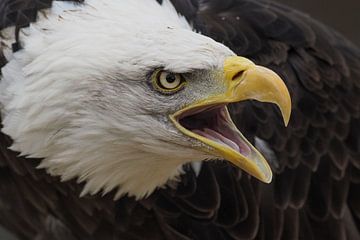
(150, 119)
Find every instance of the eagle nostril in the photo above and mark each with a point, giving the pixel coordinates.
(238, 75)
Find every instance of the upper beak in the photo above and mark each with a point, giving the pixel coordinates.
(243, 80)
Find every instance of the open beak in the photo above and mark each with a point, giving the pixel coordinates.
(209, 121)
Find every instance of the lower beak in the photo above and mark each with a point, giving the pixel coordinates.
(243, 81)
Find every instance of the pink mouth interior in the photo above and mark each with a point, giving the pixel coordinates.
(213, 123)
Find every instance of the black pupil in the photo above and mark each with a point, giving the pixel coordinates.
(170, 78)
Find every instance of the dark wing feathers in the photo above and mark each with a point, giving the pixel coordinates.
(316, 189)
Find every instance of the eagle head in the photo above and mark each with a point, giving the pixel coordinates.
(121, 94)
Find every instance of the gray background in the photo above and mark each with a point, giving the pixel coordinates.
(342, 15)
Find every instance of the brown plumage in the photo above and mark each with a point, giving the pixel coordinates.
(315, 193)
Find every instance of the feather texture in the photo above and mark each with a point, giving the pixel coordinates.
(315, 193)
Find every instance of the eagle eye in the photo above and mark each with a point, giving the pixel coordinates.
(168, 82)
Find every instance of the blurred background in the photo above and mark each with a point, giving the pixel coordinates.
(344, 16)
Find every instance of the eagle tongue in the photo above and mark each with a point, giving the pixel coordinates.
(217, 137)
(222, 138)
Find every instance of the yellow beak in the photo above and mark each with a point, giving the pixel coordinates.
(243, 81)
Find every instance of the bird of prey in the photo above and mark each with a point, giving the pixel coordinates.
(176, 119)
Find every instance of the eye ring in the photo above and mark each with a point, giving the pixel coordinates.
(168, 82)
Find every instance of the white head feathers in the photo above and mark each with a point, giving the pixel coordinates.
(76, 94)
